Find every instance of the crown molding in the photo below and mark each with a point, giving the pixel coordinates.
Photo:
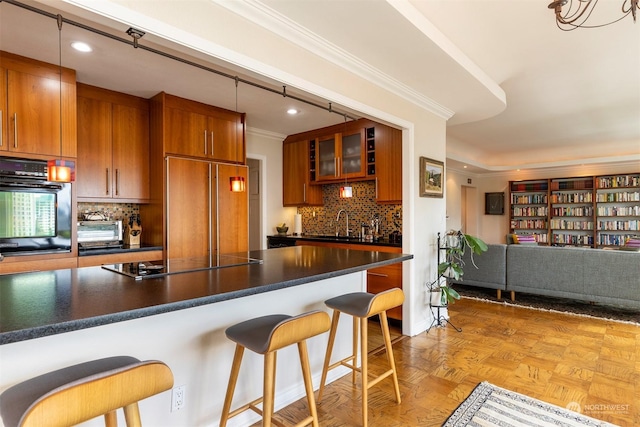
(262, 15)
(265, 133)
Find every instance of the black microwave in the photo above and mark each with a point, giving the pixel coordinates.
(35, 215)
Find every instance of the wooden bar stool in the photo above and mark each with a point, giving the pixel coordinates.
(265, 335)
(81, 392)
(362, 305)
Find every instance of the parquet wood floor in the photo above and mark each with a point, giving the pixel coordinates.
(553, 357)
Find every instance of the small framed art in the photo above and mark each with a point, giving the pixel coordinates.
(431, 177)
(494, 203)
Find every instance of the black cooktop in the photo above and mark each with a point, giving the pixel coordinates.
(150, 269)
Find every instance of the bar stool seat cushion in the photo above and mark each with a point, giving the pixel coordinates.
(18, 399)
(356, 304)
(255, 334)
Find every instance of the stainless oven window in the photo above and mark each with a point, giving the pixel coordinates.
(27, 214)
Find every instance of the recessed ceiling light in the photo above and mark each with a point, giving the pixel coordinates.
(465, 166)
(81, 47)
(292, 111)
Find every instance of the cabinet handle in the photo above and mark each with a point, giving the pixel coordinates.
(15, 130)
(377, 274)
(304, 192)
(117, 182)
(212, 144)
(107, 186)
(205, 142)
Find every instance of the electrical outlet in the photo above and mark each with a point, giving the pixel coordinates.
(177, 398)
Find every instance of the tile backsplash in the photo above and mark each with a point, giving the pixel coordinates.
(362, 208)
(111, 211)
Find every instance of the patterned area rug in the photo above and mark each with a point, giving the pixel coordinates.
(489, 405)
(554, 304)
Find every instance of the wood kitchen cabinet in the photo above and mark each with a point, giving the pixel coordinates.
(192, 213)
(378, 279)
(198, 130)
(359, 150)
(35, 120)
(3, 111)
(208, 219)
(296, 185)
(113, 146)
(340, 156)
(388, 163)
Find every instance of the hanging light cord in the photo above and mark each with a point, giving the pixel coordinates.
(60, 19)
(135, 44)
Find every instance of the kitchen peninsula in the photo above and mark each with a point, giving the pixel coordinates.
(58, 318)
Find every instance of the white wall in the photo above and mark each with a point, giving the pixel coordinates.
(267, 147)
(494, 228)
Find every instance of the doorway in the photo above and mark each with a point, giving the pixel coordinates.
(469, 208)
(255, 205)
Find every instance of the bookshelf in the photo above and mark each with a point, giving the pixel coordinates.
(529, 208)
(601, 211)
(571, 220)
(617, 208)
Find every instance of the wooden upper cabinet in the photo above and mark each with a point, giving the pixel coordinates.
(4, 123)
(186, 133)
(388, 164)
(297, 190)
(113, 146)
(193, 129)
(34, 110)
(130, 151)
(227, 135)
(340, 156)
(356, 151)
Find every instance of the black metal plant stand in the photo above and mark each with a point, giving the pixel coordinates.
(440, 320)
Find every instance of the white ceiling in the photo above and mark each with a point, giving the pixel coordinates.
(521, 92)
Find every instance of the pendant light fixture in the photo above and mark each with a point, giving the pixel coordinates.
(59, 170)
(572, 14)
(236, 183)
(346, 191)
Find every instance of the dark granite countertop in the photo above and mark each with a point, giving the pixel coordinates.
(110, 251)
(337, 239)
(39, 304)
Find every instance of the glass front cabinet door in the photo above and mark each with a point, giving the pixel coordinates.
(340, 156)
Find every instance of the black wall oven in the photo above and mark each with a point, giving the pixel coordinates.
(35, 215)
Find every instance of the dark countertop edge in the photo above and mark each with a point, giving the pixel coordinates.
(76, 325)
(111, 251)
(353, 241)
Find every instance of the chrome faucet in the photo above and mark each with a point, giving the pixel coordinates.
(338, 219)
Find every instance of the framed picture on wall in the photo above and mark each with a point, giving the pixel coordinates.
(494, 203)
(431, 177)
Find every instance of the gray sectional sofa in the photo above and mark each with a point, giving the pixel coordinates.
(609, 277)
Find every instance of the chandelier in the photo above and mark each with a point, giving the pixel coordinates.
(571, 14)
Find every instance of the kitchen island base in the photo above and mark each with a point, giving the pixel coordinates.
(193, 344)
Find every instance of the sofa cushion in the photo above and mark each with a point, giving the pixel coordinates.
(491, 271)
(594, 275)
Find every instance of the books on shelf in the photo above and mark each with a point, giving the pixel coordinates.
(592, 211)
(617, 181)
(530, 186)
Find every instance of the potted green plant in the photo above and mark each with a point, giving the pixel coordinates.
(454, 245)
